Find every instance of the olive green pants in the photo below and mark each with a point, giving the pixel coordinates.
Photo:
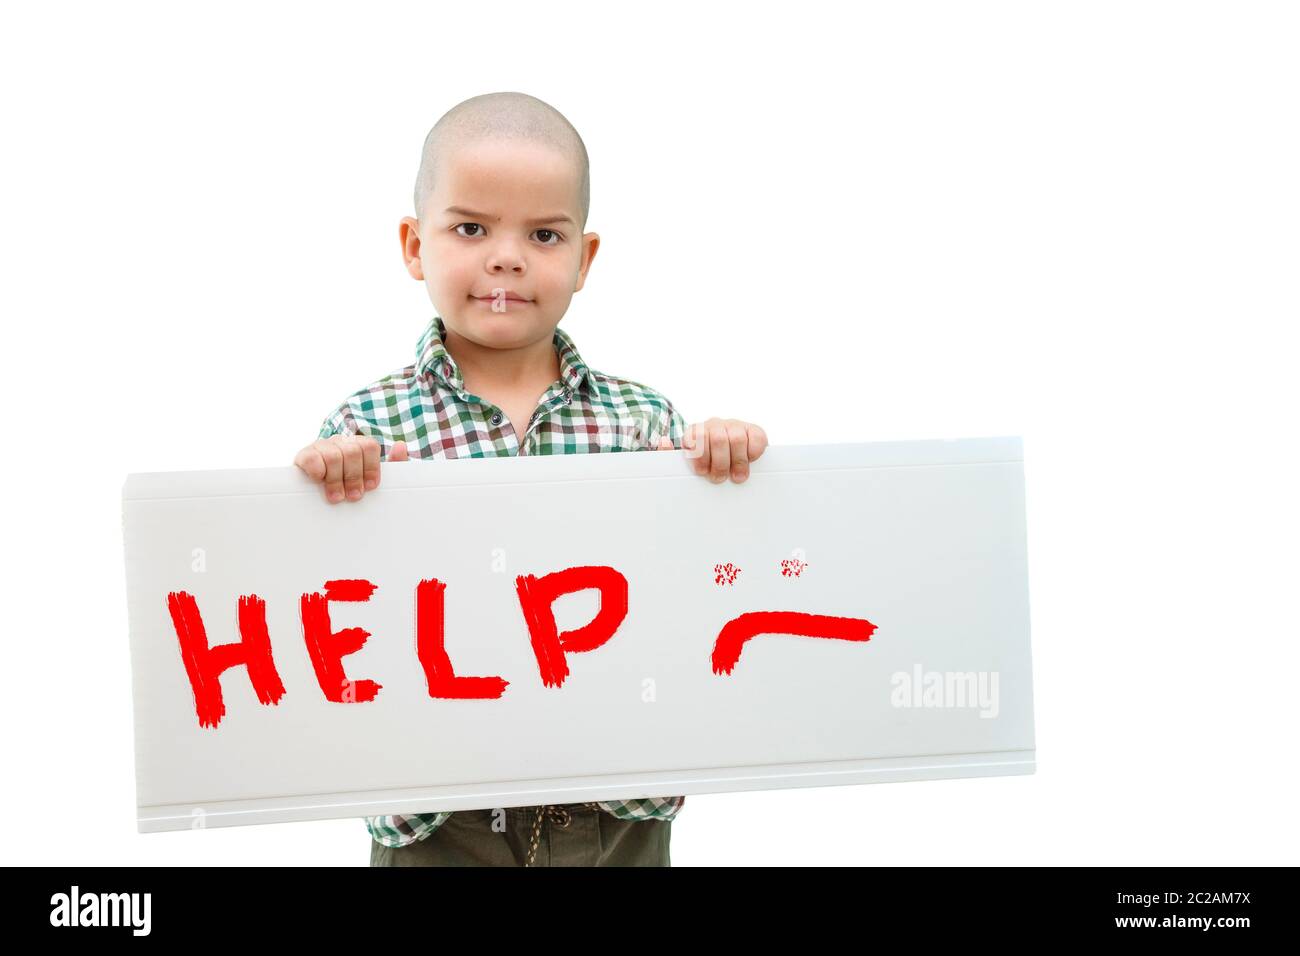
(581, 837)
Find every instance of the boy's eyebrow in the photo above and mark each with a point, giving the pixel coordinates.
(462, 211)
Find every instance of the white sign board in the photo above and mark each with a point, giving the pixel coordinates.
(501, 632)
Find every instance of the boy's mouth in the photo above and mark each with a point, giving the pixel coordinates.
(506, 295)
(509, 297)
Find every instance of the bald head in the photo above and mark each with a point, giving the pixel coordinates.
(502, 116)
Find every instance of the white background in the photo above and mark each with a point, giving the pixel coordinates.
(1074, 222)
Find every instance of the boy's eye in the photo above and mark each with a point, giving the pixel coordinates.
(468, 225)
(546, 234)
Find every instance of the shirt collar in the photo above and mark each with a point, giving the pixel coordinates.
(432, 357)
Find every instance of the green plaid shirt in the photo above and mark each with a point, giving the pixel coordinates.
(426, 405)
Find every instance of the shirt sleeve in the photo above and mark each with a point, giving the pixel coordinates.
(403, 830)
(352, 419)
(670, 424)
(341, 421)
(676, 426)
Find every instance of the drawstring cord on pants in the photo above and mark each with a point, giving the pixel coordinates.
(558, 814)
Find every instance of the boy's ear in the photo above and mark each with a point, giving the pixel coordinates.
(409, 233)
(590, 243)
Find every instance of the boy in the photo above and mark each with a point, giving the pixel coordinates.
(501, 199)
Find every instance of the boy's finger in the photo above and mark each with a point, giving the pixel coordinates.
(738, 439)
(310, 461)
(332, 455)
(369, 462)
(719, 452)
(688, 442)
(399, 452)
(665, 444)
(352, 467)
(757, 442)
(696, 441)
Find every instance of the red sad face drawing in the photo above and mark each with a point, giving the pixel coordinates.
(734, 634)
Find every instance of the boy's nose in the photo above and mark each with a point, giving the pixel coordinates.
(506, 257)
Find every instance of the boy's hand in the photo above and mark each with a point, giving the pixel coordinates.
(346, 464)
(721, 447)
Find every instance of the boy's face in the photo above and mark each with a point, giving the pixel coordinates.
(498, 245)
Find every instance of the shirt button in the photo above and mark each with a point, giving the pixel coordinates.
(496, 418)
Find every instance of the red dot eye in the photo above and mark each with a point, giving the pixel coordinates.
(724, 574)
(792, 567)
